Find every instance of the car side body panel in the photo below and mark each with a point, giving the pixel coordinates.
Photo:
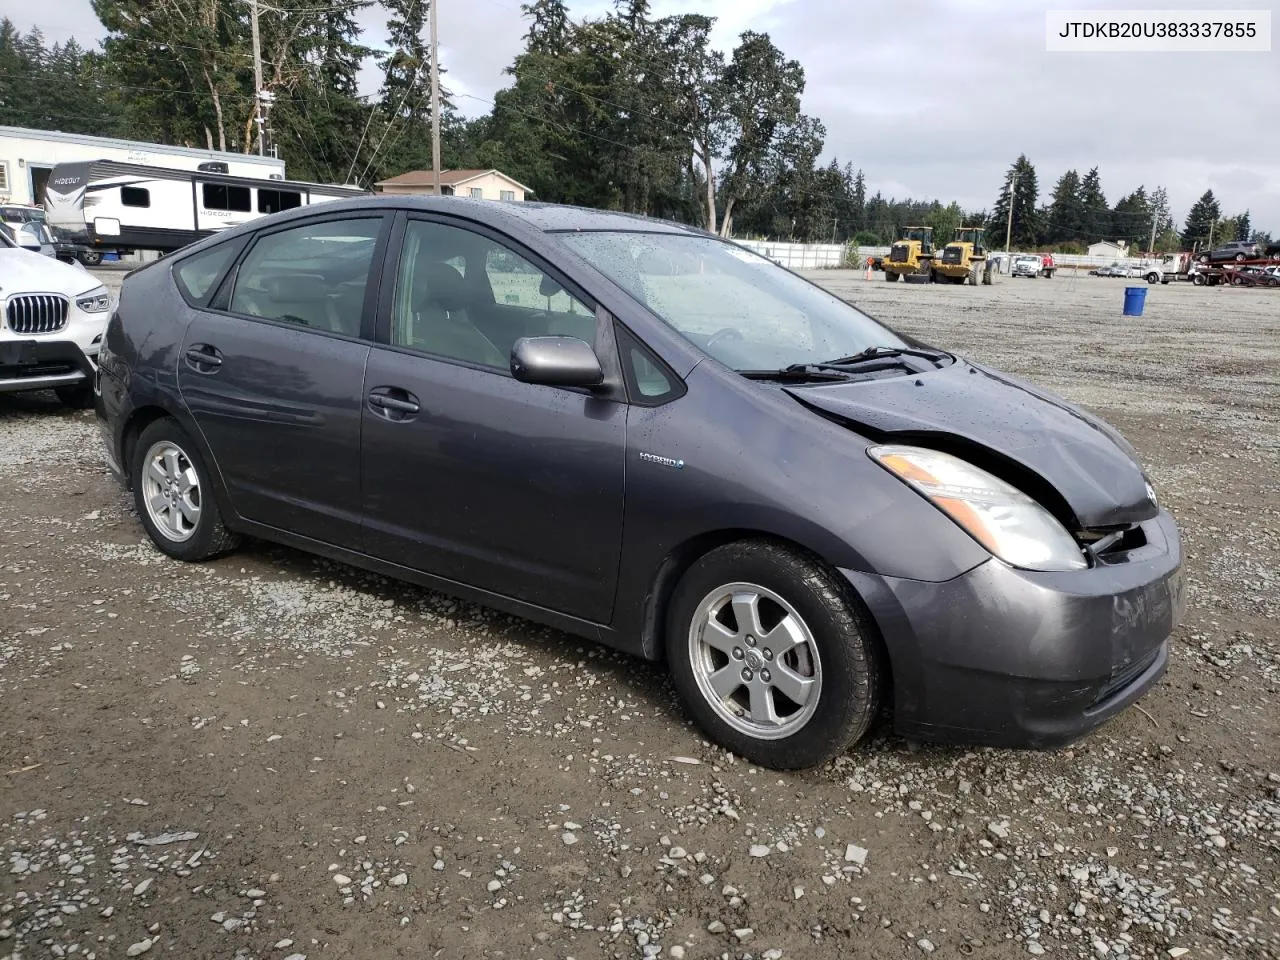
(823, 492)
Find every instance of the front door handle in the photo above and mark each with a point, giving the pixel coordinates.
(204, 358)
(393, 403)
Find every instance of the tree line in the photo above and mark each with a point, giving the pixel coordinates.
(624, 111)
(1078, 214)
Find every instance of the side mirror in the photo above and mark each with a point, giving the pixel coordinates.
(28, 238)
(556, 362)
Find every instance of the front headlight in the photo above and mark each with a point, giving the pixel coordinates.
(1000, 517)
(97, 300)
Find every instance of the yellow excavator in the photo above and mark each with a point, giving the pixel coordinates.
(964, 258)
(911, 256)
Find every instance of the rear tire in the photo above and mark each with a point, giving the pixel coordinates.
(78, 397)
(772, 655)
(173, 494)
(90, 258)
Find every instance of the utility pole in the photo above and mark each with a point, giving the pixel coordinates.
(834, 223)
(1008, 227)
(435, 95)
(1152, 249)
(257, 79)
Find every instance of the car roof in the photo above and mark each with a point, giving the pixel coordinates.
(544, 217)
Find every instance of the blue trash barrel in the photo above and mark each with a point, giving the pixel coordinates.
(111, 255)
(1134, 299)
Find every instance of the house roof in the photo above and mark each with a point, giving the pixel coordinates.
(449, 178)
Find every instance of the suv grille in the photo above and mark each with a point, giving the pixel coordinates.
(37, 313)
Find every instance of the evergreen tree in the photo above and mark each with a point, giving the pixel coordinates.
(1131, 219)
(549, 31)
(1095, 213)
(1021, 190)
(1203, 216)
(1065, 216)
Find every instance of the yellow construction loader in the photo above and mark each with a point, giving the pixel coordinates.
(911, 256)
(964, 258)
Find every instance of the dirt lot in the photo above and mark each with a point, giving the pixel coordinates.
(273, 756)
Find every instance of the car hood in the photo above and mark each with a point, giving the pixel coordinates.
(22, 271)
(1092, 468)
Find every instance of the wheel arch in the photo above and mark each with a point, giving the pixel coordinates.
(138, 421)
(142, 417)
(676, 563)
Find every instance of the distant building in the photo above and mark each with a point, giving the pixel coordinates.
(27, 156)
(480, 184)
(1109, 248)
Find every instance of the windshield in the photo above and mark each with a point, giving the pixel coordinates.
(741, 308)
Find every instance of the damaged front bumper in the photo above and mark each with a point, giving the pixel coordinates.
(1015, 658)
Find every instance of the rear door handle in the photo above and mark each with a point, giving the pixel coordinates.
(393, 403)
(204, 358)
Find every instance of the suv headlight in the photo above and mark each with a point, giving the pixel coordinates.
(999, 516)
(97, 300)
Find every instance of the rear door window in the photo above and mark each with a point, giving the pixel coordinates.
(197, 275)
(313, 275)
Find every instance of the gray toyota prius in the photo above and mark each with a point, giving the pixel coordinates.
(643, 434)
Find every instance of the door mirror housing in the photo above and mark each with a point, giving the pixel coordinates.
(28, 237)
(556, 362)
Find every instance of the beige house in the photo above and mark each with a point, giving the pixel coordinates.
(480, 184)
(1108, 248)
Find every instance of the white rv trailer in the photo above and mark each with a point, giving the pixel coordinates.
(27, 157)
(126, 206)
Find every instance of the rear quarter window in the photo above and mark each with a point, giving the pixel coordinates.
(197, 276)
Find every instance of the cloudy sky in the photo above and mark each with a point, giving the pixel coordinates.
(939, 103)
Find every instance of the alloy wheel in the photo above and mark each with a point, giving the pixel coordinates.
(755, 661)
(171, 491)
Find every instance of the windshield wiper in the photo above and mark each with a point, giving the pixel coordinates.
(798, 371)
(876, 353)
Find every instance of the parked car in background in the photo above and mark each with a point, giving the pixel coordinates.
(18, 214)
(1027, 266)
(30, 236)
(59, 242)
(1234, 250)
(52, 317)
(1113, 270)
(644, 434)
(1272, 250)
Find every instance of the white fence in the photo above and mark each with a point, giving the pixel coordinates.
(816, 256)
(799, 256)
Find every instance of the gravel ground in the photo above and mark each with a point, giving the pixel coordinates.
(274, 756)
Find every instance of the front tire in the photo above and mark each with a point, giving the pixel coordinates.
(772, 655)
(173, 495)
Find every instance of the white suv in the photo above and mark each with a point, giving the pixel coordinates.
(52, 317)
